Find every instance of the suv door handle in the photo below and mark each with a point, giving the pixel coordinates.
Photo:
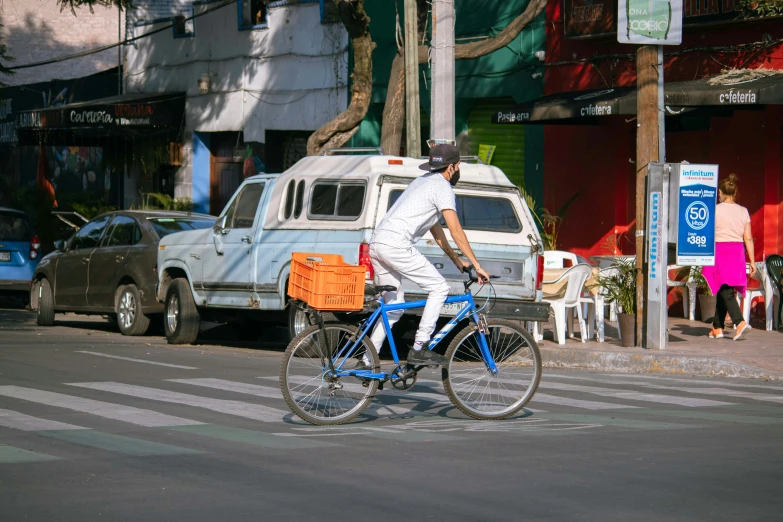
(246, 239)
(85, 260)
(118, 258)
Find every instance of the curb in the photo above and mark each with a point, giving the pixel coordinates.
(677, 364)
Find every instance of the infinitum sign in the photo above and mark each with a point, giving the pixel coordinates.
(649, 22)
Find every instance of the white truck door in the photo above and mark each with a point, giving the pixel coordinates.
(227, 277)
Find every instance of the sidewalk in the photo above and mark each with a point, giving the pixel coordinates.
(689, 352)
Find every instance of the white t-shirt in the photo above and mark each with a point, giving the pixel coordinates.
(418, 208)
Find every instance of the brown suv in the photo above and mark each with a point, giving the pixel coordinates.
(109, 266)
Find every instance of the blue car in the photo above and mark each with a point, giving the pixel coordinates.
(20, 251)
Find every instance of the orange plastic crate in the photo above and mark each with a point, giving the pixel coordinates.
(326, 282)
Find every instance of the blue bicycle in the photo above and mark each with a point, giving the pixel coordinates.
(331, 371)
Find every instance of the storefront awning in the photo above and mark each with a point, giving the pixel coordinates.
(571, 106)
(731, 91)
(129, 111)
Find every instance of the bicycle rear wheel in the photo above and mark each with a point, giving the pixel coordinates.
(471, 386)
(308, 385)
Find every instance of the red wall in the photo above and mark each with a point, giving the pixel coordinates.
(596, 161)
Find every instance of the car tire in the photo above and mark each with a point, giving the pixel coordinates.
(45, 315)
(181, 320)
(130, 319)
(298, 321)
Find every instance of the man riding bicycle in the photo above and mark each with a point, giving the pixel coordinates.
(418, 210)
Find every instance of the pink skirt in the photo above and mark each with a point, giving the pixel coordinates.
(729, 268)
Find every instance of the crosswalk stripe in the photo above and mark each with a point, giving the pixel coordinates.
(690, 402)
(254, 438)
(697, 382)
(618, 421)
(20, 421)
(129, 414)
(233, 386)
(408, 435)
(117, 443)
(228, 407)
(156, 363)
(577, 403)
(12, 455)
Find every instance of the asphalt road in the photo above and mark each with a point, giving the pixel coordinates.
(97, 426)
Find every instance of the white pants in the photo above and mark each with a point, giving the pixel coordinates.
(391, 264)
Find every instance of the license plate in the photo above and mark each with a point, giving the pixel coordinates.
(451, 308)
(5, 256)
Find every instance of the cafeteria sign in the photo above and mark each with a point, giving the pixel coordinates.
(698, 191)
(649, 22)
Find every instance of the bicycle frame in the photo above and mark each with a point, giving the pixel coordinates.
(469, 310)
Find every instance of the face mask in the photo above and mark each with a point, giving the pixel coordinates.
(454, 178)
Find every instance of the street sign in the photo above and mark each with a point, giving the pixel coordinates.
(649, 22)
(697, 195)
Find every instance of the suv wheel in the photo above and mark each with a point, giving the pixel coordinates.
(298, 321)
(181, 320)
(45, 304)
(128, 306)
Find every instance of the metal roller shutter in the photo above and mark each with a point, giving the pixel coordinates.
(509, 140)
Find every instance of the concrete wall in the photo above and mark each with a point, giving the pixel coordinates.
(291, 75)
(38, 30)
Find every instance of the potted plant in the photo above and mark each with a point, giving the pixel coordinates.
(707, 301)
(620, 287)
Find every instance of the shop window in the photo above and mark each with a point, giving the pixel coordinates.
(299, 199)
(289, 199)
(252, 14)
(336, 200)
(480, 213)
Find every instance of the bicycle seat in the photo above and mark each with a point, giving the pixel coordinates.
(378, 289)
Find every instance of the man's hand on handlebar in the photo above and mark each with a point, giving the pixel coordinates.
(480, 275)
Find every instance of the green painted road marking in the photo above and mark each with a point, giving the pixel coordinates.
(720, 417)
(117, 443)
(255, 438)
(12, 455)
(618, 422)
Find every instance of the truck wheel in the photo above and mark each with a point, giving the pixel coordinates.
(298, 321)
(45, 304)
(128, 306)
(181, 320)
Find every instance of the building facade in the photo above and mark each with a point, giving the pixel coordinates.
(258, 78)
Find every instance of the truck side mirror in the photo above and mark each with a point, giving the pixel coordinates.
(220, 225)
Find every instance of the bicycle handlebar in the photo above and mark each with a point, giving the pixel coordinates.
(473, 275)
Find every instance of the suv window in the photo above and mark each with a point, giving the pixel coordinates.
(89, 235)
(124, 231)
(14, 227)
(337, 200)
(289, 199)
(486, 213)
(242, 212)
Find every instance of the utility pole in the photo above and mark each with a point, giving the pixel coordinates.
(413, 135)
(648, 134)
(442, 123)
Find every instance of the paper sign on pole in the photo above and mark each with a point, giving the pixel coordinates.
(697, 197)
(649, 22)
(485, 153)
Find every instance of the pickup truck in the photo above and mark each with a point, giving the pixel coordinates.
(238, 270)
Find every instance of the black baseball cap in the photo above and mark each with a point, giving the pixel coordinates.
(441, 156)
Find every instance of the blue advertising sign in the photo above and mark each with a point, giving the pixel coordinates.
(698, 192)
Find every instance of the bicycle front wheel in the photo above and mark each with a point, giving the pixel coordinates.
(471, 386)
(312, 390)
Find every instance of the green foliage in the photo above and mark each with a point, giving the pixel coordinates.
(158, 201)
(621, 286)
(760, 8)
(693, 273)
(548, 223)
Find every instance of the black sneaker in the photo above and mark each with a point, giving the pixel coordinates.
(425, 357)
(361, 365)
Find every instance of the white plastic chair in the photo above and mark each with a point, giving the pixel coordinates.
(688, 292)
(595, 308)
(767, 291)
(576, 277)
(555, 258)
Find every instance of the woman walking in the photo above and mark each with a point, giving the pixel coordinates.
(732, 239)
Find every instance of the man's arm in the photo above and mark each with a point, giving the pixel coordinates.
(452, 221)
(440, 238)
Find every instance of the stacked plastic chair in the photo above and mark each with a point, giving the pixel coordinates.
(774, 271)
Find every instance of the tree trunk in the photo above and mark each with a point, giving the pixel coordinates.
(394, 109)
(391, 134)
(339, 130)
